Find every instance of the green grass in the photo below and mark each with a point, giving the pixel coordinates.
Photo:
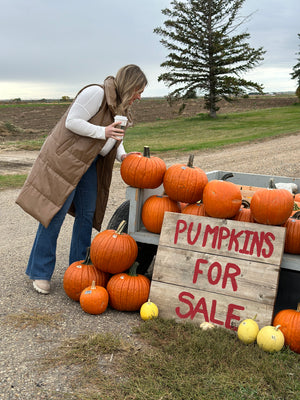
(202, 132)
(12, 181)
(176, 361)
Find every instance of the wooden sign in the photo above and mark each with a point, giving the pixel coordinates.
(214, 270)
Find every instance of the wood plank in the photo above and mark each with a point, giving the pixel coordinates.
(232, 238)
(221, 310)
(217, 273)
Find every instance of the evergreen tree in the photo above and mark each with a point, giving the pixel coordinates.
(204, 54)
(296, 69)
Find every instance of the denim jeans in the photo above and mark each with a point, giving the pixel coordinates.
(42, 259)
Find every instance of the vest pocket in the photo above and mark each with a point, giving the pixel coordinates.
(65, 146)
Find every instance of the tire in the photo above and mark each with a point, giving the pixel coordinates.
(146, 251)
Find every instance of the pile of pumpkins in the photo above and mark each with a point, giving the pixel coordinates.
(284, 331)
(187, 190)
(101, 279)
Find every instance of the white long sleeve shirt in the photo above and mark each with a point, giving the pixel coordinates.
(83, 109)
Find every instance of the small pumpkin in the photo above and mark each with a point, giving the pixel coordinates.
(94, 299)
(154, 209)
(148, 311)
(81, 274)
(270, 339)
(185, 183)
(221, 199)
(297, 197)
(143, 171)
(248, 330)
(271, 206)
(292, 235)
(113, 251)
(289, 321)
(128, 291)
(195, 209)
(244, 214)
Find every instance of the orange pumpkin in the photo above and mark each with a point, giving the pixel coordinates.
(292, 235)
(297, 197)
(81, 274)
(128, 291)
(272, 206)
(113, 251)
(185, 183)
(154, 209)
(195, 209)
(143, 171)
(244, 213)
(222, 199)
(289, 321)
(94, 299)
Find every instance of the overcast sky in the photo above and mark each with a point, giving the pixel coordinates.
(51, 48)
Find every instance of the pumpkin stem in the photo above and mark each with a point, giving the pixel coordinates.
(133, 268)
(277, 327)
(93, 285)
(191, 161)
(245, 203)
(121, 227)
(87, 260)
(272, 184)
(146, 152)
(227, 176)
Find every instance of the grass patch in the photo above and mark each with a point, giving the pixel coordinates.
(33, 319)
(178, 361)
(12, 181)
(202, 132)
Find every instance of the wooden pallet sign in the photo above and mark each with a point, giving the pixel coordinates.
(214, 270)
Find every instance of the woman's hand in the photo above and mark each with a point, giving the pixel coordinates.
(111, 131)
(123, 156)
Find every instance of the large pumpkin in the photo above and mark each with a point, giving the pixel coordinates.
(128, 291)
(292, 235)
(289, 321)
(154, 209)
(272, 206)
(143, 171)
(221, 199)
(185, 183)
(297, 197)
(113, 251)
(81, 274)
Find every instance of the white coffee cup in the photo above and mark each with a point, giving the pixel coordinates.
(122, 120)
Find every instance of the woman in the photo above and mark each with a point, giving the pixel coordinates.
(73, 170)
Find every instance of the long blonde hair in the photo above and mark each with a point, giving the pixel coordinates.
(129, 79)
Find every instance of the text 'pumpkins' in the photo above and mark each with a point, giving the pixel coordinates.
(143, 171)
(113, 251)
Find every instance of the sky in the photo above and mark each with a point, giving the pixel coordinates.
(52, 48)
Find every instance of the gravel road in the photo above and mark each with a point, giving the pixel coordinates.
(22, 348)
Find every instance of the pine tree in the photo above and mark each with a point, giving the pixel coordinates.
(204, 54)
(296, 73)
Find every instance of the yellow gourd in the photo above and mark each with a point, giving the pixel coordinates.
(270, 338)
(247, 331)
(148, 310)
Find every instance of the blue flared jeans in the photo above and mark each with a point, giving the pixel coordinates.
(42, 259)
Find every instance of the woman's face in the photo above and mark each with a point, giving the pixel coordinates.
(136, 95)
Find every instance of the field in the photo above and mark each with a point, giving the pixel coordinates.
(37, 119)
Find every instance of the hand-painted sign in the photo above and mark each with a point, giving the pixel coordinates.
(219, 271)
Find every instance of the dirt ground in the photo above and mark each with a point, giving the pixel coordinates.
(24, 345)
